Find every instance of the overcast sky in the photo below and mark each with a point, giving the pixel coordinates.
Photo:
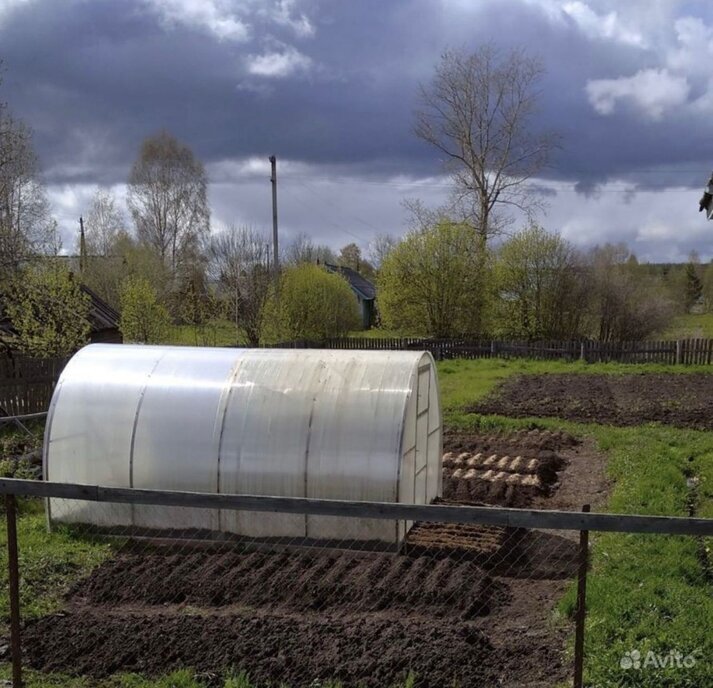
(330, 88)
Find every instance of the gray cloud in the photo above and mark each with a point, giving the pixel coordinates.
(332, 86)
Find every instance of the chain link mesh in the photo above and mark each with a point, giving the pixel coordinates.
(118, 589)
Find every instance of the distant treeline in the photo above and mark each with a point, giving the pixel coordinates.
(534, 285)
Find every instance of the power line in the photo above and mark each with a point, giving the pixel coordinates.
(319, 214)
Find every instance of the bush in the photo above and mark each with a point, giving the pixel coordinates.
(309, 303)
(143, 318)
(49, 311)
(434, 282)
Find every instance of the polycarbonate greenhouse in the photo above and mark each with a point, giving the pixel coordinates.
(356, 425)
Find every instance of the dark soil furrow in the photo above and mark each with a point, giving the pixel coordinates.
(285, 581)
(681, 400)
(357, 650)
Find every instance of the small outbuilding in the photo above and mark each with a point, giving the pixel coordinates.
(333, 424)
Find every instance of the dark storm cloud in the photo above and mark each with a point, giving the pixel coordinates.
(94, 78)
(333, 85)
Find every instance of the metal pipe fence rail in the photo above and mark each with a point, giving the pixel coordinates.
(436, 602)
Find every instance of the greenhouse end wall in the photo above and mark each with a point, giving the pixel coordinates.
(332, 424)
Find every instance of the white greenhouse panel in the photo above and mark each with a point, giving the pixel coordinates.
(90, 427)
(354, 425)
(171, 455)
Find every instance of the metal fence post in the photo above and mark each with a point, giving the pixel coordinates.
(14, 590)
(581, 604)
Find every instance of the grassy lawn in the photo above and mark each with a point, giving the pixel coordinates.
(215, 333)
(690, 326)
(49, 562)
(645, 592)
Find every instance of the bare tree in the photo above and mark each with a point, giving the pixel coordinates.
(626, 302)
(103, 223)
(350, 257)
(168, 196)
(240, 263)
(477, 112)
(26, 225)
(380, 247)
(303, 250)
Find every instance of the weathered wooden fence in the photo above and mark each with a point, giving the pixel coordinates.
(26, 384)
(681, 351)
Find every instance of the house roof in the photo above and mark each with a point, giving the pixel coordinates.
(357, 282)
(101, 315)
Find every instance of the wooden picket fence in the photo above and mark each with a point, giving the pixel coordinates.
(681, 351)
(26, 384)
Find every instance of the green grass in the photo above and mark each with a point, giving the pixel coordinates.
(645, 592)
(185, 678)
(690, 326)
(49, 562)
(215, 333)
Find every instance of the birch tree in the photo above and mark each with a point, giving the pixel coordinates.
(167, 197)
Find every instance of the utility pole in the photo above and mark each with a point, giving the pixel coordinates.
(273, 180)
(82, 247)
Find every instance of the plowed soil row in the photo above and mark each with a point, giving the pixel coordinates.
(466, 605)
(683, 400)
(528, 443)
(291, 581)
(291, 650)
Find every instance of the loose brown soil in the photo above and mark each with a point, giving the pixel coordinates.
(292, 582)
(683, 400)
(275, 648)
(460, 605)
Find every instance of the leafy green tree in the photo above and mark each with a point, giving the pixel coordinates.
(48, 310)
(434, 282)
(309, 303)
(143, 318)
(541, 287)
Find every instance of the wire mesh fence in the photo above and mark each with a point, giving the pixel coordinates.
(473, 596)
